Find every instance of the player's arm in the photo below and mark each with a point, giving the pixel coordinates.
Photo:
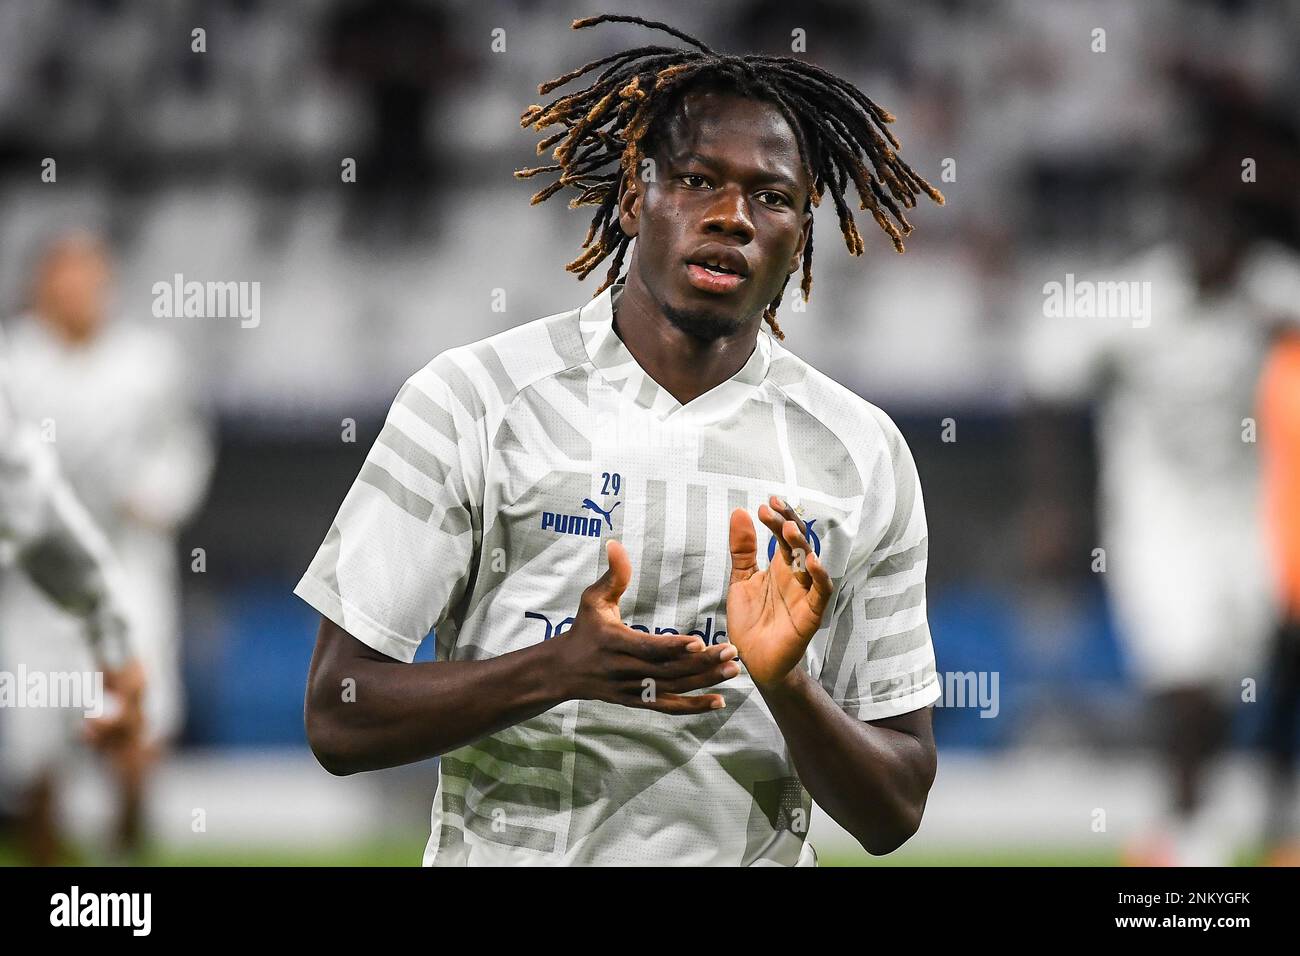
(65, 555)
(366, 711)
(872, 777)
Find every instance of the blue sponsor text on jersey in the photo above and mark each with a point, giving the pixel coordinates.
(813, 539)
(707, 633)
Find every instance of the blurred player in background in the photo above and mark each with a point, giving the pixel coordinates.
(1279, 422)
(47, 535)
(112, 399)
(1179, 500)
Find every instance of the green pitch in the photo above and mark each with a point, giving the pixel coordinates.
(408, 852)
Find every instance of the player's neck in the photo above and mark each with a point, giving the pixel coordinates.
(68, 334)
(684, 365)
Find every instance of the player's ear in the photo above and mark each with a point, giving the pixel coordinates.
(629, 206)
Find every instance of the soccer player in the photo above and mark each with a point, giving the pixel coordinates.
(569, 505)
(49, 536)
(1179, 496)
(136, 454)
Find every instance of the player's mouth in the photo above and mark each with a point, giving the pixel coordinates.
(718, 272)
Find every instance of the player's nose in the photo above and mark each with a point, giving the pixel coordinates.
(728, 214)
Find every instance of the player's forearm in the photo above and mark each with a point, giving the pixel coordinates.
(369, 713)
(68, 558)
(872, 780)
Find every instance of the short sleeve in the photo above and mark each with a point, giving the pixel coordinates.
(879, 659)
(400, 552)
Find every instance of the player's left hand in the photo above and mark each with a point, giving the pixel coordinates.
(126, 726)
(773, 614)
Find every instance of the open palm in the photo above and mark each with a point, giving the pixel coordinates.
(772, 614)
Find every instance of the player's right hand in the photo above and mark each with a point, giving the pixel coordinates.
(601, 658)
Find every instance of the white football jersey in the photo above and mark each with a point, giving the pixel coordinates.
(481, 512)
(121, 416)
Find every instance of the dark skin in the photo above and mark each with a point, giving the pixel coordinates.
(728, 174)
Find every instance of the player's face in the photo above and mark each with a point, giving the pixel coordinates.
(721, 223)
(72, 289)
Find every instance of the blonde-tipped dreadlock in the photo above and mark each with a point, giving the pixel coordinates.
(835, 124)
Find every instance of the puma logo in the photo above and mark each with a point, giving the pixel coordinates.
(580, 525)
(591, 505)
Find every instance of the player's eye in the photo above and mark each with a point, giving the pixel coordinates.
(770, 198)
(693, 180)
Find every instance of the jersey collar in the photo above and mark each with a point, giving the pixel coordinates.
(620, 369)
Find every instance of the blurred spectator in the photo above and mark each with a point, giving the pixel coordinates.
(402, 54)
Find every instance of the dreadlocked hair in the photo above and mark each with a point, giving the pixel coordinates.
(608, 128)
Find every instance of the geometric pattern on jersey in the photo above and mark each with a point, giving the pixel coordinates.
(481, 512)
